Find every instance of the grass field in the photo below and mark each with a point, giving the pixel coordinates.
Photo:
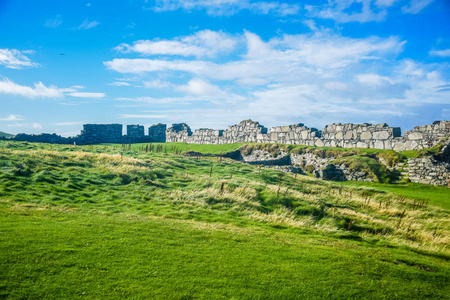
(104, 222)
(4, 134)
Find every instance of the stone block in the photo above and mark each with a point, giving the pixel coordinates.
(381, 135)
(366, 136)
(348, 135)
(274, 136)
(378, 145)
(361, 145)
(415, 136)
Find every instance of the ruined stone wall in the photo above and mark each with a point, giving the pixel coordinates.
(428, 170)
(426, 135)
(293, 134)
(365, 135)
(379, 136)
(43, 138)
(135, 131)
(101, 133)
(179, 132)
(245, 131)
(157, 133)
(206, 136)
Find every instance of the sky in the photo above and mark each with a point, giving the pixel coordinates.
(213, 63)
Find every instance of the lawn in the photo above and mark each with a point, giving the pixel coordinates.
(105, 222)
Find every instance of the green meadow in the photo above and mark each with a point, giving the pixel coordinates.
(121, 222)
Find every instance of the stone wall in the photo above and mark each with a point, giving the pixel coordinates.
(245, 131)
(179, 132)
(135, 131)
(262, 157)
(101, 133)
(157, 133)
(426, 135)
(379, 136)
(428, 170)
(206, 136)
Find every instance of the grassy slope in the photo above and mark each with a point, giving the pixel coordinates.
(184, 147)
(5, 134)
(88, 222)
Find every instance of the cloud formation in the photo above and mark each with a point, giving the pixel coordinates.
(228, 7)
(416, 6)
(88, 24)
(441, 53)
(292, 77)
(87, 95)
(362, 11)
(40, 90)
(54, 23)
(205, 43)
(16, 59)
(12, 117)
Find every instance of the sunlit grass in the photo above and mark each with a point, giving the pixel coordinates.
(101, 220)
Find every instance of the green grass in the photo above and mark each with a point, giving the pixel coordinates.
(435, 195)
(4, 134)
(185, 147)
(104, 222)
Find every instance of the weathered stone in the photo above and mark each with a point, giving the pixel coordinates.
(415, 136)
(366, 135)
(381, 135)
(348, 135)
(378, 145)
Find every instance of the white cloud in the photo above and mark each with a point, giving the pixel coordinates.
(41, 91)
(87, 95)
(67, 123)
(284, 56)
(15, 59)
(385, 3)
(54, 23)
(338, 10)
(88, 25)
(78, 87)
(205, 43)
(12, 117)
(129, 116)
(38, 91)
(441, 53)
(36, 125)
(200, 87)
(228, 7)
(120, 83)
(290, 78)
(158, 84)
(416, 6)
(373, 79)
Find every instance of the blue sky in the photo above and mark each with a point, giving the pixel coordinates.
(213, 63)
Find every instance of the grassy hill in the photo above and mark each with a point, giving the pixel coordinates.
(105, 222)
(4, 134)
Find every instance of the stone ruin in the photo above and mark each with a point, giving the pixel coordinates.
(429, 170)
(379, 136)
